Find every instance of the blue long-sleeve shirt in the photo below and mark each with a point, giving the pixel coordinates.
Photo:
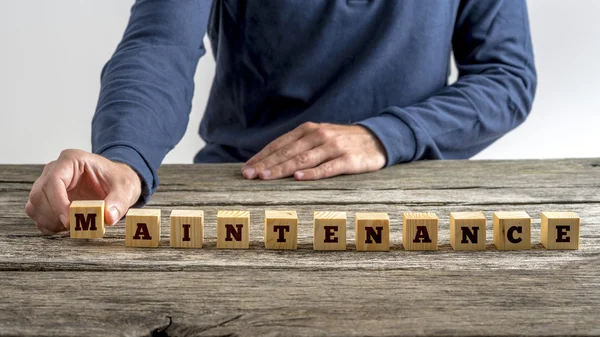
(279, 63)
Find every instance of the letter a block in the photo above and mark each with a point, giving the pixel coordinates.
(467, 230)
(372, 232)
(329, 231)
(142, 228)
(187, 228)
(419, 231)
(512, 230)
(87, 219)
(281, 230)
(560, 230)
(233, 229)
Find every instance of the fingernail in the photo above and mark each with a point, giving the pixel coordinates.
(114, 214)
(64, 220)
(299, 175)
(266, 174)
(248, 173)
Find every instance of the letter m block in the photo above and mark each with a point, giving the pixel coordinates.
(86, 219)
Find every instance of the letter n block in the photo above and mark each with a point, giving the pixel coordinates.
(187, 228)
(233, 229)
(512, 230)
(467, 230)
(560, 230)
(329, 231)
(142, 228)
(372, 231)
(281, 230)
(86, 219)
(419, 231)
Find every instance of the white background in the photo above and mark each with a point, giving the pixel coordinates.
(51, 54)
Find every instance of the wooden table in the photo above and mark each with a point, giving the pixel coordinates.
(56, 285)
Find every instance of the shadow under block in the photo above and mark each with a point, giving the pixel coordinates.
(187, 228)
(233, 229)
(419, 231)
(281, 230)
(560, 230)
(86, 219)
(142, 228)
(467, 230)
(329, 231)
(512, 230)
(372, 232)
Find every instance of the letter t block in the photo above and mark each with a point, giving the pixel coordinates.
(329, 231)
(187, 228)
(233, 229)
(467, 230)
(142, 228)
(512, 230)
(86, 219)
(372, 232)
(281, 230)
(419, 231)
(560, 230)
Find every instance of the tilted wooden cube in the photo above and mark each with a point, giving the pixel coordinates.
(419, 231)
(329, 230)
(560, 230)
(512, 230)
(372, 232)
(281, 230)
(142, 228)
(233, 229)
(187, 228)
(467, 230)
(86, 219)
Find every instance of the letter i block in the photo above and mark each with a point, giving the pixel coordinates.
(467, 230)
(233, 229)
(142, 228)
(187, 228)
(372, 232)
(87, 219)
(419, 231)
(512, 230)
(560, 230)
(329, 231)
(281, 230)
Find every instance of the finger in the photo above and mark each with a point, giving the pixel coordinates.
(56, 194)
(46, 231)
(305, 160)
(117, 202)
(275, 145)
(328, 169)
(43, 215)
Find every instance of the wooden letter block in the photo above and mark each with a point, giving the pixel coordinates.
(281, 230)
(142, 228)
(512, 230)
(560, 230)
(87, 219)
(233, 229)
(372, 232)
(329, 231)
(419, 231)
(187, 228)
(467, 230)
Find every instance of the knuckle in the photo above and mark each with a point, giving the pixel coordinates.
(304, 158)
(285, 151)
(308, 125)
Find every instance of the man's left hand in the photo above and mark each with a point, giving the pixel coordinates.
(315, 151)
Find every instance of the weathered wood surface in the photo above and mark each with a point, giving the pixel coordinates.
(53, 285)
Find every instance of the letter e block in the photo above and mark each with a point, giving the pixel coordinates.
(560, 230)
(512, 230)
(86, 219)
(372, 232)
(329, 230)
(467, 230)
(419, 231)
(233, 229)
(142, 228)
(187, 228)
(281, 230)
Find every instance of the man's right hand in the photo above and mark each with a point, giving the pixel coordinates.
(80, 175)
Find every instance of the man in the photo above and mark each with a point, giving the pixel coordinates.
(309, 88)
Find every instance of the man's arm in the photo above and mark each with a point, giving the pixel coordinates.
(148, 84)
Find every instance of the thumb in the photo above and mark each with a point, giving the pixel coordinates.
(117, 202)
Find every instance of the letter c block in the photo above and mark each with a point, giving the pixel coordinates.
(142, 228)
(512, 230)
(86, 219)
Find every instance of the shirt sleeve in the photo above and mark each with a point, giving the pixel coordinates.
(148, 84)
(493, 94)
